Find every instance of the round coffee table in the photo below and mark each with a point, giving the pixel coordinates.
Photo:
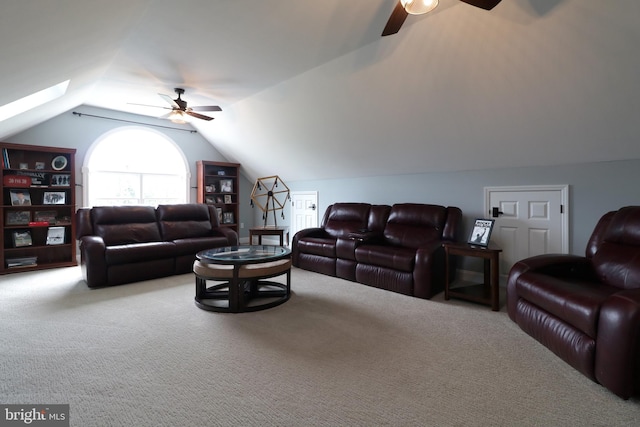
(243, 270)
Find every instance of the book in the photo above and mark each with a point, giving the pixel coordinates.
(22, 261)
(5, 158)
(38, 223)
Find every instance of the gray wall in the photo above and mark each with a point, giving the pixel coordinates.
(594, 188)
(72, 131)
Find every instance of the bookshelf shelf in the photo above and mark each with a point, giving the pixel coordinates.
(37, 209)
(218, 185)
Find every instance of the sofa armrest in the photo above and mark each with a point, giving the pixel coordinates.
(310, 232)
(307, 232)
(93, 261)
(230, 234)
(556, 265)
(429, 270)
(617, 348)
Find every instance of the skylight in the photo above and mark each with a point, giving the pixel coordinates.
(32, 101)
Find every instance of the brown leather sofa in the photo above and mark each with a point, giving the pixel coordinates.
(587, 309)
(124, 244)
(396, 248)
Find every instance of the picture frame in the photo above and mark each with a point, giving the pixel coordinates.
(20, 197)
(228, 218)
(60, 180)
(39, 166)
(219, 210)
(226, 186)
(45, 216)
(24, 166)
(54, 198)
(55, 236)
(481, 232)
(18, 217)
(21, 238)
(59, 163)
(227, 198)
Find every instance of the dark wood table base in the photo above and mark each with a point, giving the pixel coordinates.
(241, 294)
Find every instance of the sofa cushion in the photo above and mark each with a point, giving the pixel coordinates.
(184, 221)
(122, 225)
(345, 218)
(137, 252)
(192, 246)
(394, 257)
(412, 225)
(575, 302)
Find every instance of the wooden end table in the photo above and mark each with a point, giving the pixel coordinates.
(269, 230)
(487, 293)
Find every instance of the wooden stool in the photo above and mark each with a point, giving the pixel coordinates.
(243, 284)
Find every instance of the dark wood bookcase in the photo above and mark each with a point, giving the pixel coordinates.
(37, 209)
(218, 185)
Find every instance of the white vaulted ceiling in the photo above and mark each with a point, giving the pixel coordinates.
(309, 89)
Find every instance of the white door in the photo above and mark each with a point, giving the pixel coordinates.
(529, 221)
(304, 211)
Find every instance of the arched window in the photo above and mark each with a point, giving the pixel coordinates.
(135, 166)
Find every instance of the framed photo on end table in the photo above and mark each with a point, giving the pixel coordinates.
(481, 232)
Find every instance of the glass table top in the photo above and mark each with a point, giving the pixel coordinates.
(244, 254)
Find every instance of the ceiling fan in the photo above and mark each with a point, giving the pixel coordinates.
(179, 108)
(417, 7)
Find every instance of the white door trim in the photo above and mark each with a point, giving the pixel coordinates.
(294, 195)
(564, 196)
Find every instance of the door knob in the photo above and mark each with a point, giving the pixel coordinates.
(496, 212)
(313, 207)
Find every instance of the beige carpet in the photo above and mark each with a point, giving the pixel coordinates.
(337, 354)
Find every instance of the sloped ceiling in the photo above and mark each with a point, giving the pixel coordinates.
(310, 90)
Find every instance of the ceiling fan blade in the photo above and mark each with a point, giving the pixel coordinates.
(169, 100)
(152, 106)
(207, 108)
(199, 116)
(395, 21)
(483, 4)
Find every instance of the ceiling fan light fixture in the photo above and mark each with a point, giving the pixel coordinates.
(179, 117)
(418, 7)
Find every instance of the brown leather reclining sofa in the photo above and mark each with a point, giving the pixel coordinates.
(124, 244)
(587, 309)
(396, 248)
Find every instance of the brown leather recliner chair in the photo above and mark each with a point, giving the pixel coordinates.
(587, 309)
